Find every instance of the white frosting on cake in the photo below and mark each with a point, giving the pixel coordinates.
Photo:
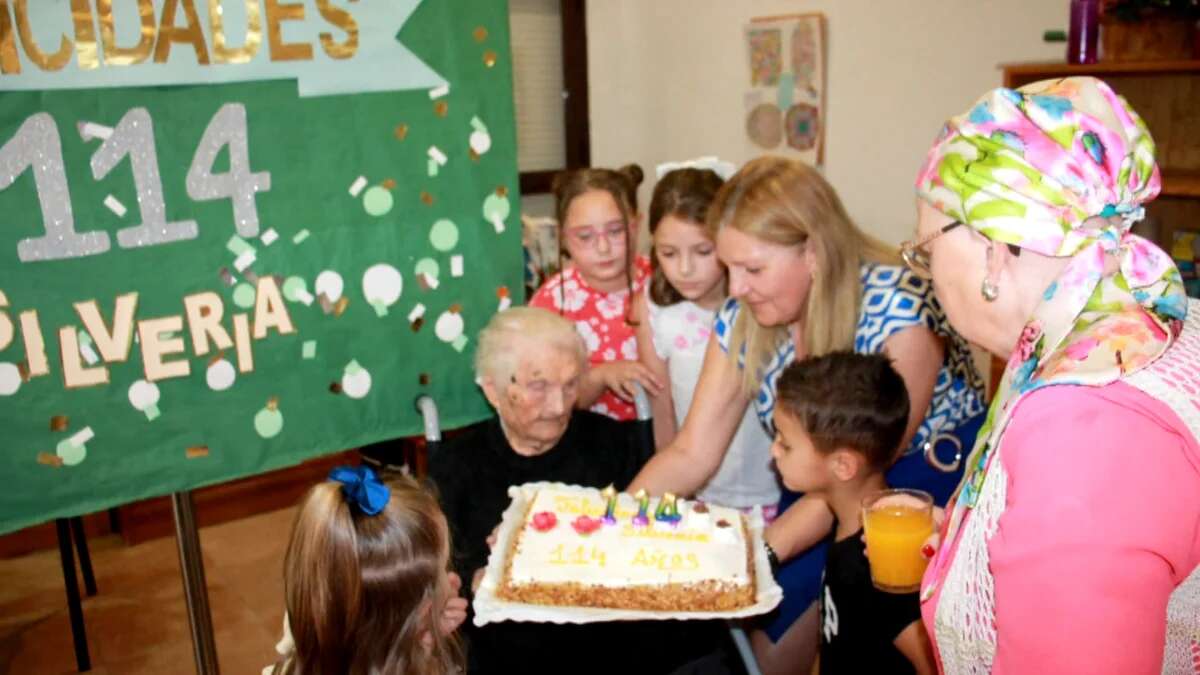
(701, 547)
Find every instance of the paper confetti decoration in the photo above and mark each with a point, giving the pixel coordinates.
(59, 423)
(444, 235)
(416, 325)
(227, 277)
(438, 92)
(300, 236)
(86, 348)
(268, 422)
(10, 379)
(341, 305)
(144, 396)
(238, 246)
(357, 186)
(496, 209)
(456, 266)
(480, 140)
(480, 33)
(73, 450)
(269, 237)
(296, 290)
(90, 131)
(437, 155)
(382, 285)
(243, 296)
(244, 260)
(115, 206)
(489, 58)
(459, 343)
(330, 285)
(356, 381)
(449, 325)
(196, 452)
(431, 169)
(505, 300)
(441, 108)
(401, 132)
(49, 459)
(377, 201)
(426, 198)
(309, 349)
(416, 313)
(220, 375)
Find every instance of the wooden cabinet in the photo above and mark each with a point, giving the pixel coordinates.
(1167, 96)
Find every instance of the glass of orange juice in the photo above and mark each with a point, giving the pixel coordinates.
(896, 524)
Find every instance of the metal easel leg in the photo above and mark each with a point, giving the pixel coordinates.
(74, 607)
(85, 558)
(191, 563)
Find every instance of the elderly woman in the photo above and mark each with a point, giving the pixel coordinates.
(805, 281)
(529, 363)
(1072, 544)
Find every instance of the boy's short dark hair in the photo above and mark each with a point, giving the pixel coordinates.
(847, 400)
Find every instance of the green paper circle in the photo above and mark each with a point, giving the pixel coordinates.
(292, 287)
(243, 296)
(377, 201)
(70, 453)
(428, 267)
(444, 235)
(495, 207)
(268, 422)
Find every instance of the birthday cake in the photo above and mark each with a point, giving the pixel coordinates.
(590, 548)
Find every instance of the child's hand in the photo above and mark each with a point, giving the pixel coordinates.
(620, 376)
(477, 579)
(455, 611)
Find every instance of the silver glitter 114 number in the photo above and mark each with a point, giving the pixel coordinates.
(37, 145)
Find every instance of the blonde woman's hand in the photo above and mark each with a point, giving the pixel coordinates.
(620, 376)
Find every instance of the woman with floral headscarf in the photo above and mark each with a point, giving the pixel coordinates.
(1072, 543)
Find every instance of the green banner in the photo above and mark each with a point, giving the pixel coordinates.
(203, 282)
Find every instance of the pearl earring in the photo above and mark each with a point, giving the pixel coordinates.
(989, 290)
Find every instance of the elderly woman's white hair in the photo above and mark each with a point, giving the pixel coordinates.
(520, 331)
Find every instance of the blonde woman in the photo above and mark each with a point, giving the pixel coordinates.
(804, 280)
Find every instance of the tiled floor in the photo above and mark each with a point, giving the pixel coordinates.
(137, 624)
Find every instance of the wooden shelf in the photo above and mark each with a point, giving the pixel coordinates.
(1180, 183)
(1028, 71)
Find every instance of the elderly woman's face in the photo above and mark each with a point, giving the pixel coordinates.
(536, 404)
(957, 261)
(771, 279)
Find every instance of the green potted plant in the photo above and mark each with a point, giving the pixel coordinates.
(1149, 30)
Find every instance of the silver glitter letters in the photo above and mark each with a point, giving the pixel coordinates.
(134, 136)
(239, 184)
(37, 145)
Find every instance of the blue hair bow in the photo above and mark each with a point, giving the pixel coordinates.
(362, 487)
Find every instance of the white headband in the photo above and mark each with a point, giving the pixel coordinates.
(722, 169)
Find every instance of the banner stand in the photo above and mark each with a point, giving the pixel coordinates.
(195, 590)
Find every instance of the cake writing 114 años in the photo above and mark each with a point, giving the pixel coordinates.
(584, 547)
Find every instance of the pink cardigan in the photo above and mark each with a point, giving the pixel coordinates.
(1101, 523)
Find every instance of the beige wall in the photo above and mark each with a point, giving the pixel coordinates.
(667, 78)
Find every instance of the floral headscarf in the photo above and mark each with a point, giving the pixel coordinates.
(1061, 168)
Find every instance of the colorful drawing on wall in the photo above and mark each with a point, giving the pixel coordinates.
(785, 109)
(803, 126)
(766, 55)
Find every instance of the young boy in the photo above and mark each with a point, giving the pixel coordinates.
(839, 420)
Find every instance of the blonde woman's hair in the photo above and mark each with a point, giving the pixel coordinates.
(789, 203)
(522, 331)
(361, 590)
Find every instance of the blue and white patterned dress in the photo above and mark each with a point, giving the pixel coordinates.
(893, 299)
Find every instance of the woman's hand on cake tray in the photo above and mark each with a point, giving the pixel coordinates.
(620, 376)
(477, 579)
(932, 543)
(491, 538)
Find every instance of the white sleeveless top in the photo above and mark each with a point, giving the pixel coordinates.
(745, 478)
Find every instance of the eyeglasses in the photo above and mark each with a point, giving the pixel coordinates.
(914, 253)
(614, 233)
